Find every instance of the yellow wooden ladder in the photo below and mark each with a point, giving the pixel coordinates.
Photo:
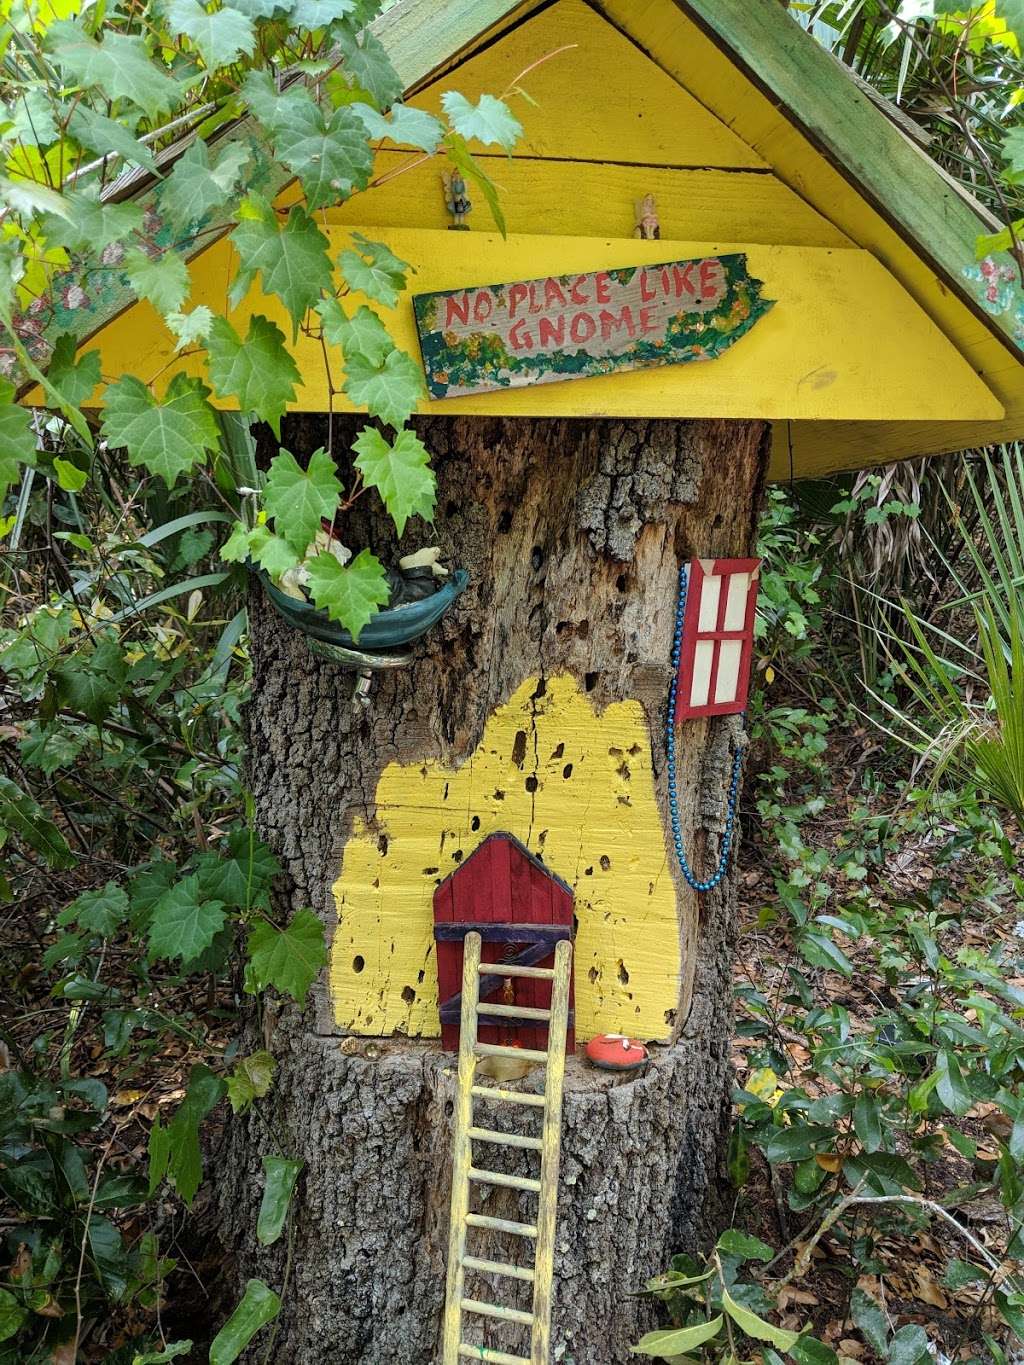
(466, 1172)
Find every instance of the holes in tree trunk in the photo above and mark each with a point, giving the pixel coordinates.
(519, 748)
(358, 963)
(536, 558)
(567, 771)
(590, 681)
(408, 994)
(505, 523)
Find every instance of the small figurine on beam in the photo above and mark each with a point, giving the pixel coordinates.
(457, 200)
(647, 226)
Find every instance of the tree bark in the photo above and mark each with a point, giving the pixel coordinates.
(572, 533)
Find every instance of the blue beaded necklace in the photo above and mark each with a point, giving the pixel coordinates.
(673, 800)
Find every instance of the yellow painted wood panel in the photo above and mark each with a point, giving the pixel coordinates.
(601, 100)
(582, 199)
(685, 53)
(599, 828)
(844, 341)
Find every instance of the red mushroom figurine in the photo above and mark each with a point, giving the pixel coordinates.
(616, 1052)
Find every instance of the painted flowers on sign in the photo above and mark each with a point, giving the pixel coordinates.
(574, 326)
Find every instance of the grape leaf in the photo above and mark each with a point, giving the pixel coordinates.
(120, 66)
(470, 169)
(31, 116)
(163, 279)
(259, 372)
(405, 126)
(368, 65)
(235, 549)
(290, 958)
(242, 878)
(400, 473)
(93, 225)
(98, 912)
(250, 1080)
(76, 381)
(195, 188)
(390, 391)
(299, 498)
(331, 157)
(490, 121)
(381, 277)
(349, 593)
(189, 327)
(1012, 14)
(90, 682)
(106, 136)
(182, 924)
(51, 747)
(272, 553)
(363, 334)
(293, 260)
(221, 37)
(17, 439)
(315, 14)
(169, 438)
(257, 9)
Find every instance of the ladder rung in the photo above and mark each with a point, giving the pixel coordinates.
(488, 1092)
(481, 1220)
(496, 1310)
(495, 1357)
(514, 1272)
(522, 1054)
(513, 1011)
(512, 1182)
(510, 969)
(529, 1144)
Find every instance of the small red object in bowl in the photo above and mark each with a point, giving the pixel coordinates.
(616, 1052)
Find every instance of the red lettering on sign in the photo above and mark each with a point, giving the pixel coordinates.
(535, 304)
(647, 291)
(684, 281)
(710, 279)
(551, 331)
(456, 311)
(553, 293)
(647, 323)
(602, 287)
(483, 306)
(582, 327)
(519, 338)
(576, 292)
(517, 294)
(609, 320)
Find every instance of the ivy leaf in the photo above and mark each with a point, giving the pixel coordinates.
(195, 188)
(120, 66)
(390, 391)
(259, 1306)
(367, 65)
(250, 1080)
(190, 327)
(163, 279)
(490, 121)
(51, 747)
(363, 334)
(106, 136)
(97, 912)
(400, 472)
(279, 1185)
(290, 958)
(331, 157)
(405, 126)
(259, 372)
(17, 439)
(349, 593)
(220, 37)
(182, 924)
(168, 438)
(298, 499)
(293, 260)
(373, 270)
(76, 381)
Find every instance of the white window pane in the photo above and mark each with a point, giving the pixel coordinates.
(736, 602)
(700, 683)
(710, 592)
(727, 681)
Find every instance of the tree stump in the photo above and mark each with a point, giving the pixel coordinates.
(572, 532)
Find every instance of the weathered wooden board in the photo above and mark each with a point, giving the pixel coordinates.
(539, 331)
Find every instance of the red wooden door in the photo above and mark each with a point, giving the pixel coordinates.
(501, 887)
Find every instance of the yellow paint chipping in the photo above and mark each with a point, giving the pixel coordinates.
(577, 788)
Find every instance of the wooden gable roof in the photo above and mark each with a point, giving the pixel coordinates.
(751, 137)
